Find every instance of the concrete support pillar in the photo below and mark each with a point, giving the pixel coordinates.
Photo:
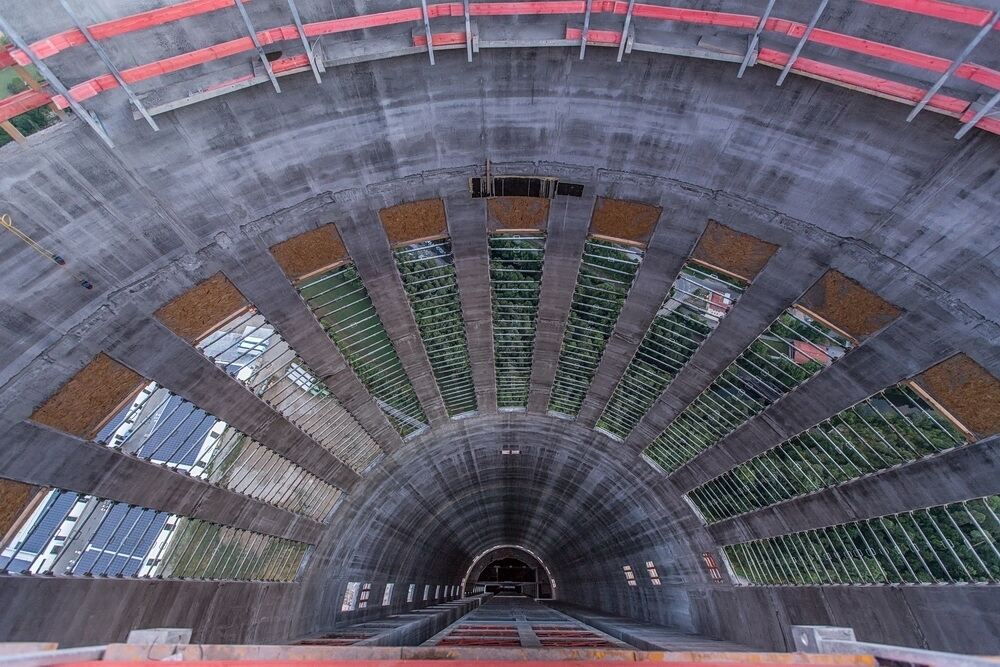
(960, 474)
(263, 283)
(669, 247)
(569, 220)
(785, 277)
(44, 457)
(900, 351)
(368, 247)
(467, 228)
(156, 353)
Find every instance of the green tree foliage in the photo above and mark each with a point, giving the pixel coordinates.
(683, 323)
(955, 543)
(606, 274)
(515, 279)
(29, 122)
(342, 305)
(893, 427)
(428, 273)
(763, 373)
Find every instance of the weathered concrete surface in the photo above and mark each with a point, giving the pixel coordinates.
(836, 179)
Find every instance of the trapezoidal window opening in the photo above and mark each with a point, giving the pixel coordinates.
(515, 286)
(161, 427)
(350, 601)
(654, 576)
(629, 575)
(340, 302)
(712, 567)
(73, 534)
(364, 595)
(790, 351)
(251, 350)
(428, 273)
(948, 544)
(892, 427)
(603, 282)
(697, 301)
(387, 594)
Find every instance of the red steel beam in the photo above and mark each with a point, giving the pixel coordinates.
(876, 85)
(23, 102)
(864, 82)
(939, 9)
(487, 662)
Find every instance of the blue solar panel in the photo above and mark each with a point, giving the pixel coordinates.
(122, 542)
(51, 518)
(180, 430)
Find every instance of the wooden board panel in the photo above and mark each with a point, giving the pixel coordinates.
(90, 398)
(203, 308)
(732, 252)
(414, 221)
(629, 221)
(847, 306)
(310, 253)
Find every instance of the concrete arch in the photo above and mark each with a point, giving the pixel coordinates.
(835, 179)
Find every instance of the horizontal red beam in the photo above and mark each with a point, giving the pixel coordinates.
(61, 41)
(596, 37)
(866, 82)
(426, 663)
(948, 11)
(23, 102)
(876, 85)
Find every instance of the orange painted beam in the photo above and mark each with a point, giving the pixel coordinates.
(426, 663)
(865, 82)
(939, 9)
(23, 102)
(876, 85)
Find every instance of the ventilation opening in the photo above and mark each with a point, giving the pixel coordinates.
(712, 565)
(272, 56)
(522, 186)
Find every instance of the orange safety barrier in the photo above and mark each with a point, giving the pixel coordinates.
(868, 83)
(422, 663)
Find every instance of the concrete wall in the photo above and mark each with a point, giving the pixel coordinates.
(835, 178)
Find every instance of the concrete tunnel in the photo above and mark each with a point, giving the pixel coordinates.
(308, 307)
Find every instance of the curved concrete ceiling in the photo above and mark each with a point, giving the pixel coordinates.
(834, 178)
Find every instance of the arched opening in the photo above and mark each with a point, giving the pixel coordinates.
(510, 570)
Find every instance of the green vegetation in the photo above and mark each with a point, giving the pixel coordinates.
(893, 427)
(241, 464)
(681, 326)
(606, 274)
(793, 349)
(428, 273)
(944, 544)
(342, 305)
(26, 123)
(201, 550)
(516, 283)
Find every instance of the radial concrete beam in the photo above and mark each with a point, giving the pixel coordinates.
(569, 220)
(158, 354)
(38, 455)
(897, 353)
(467, 228)
(668, 248)
(369, 248)
(959, 474)
(783, 280)
(263, 283)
